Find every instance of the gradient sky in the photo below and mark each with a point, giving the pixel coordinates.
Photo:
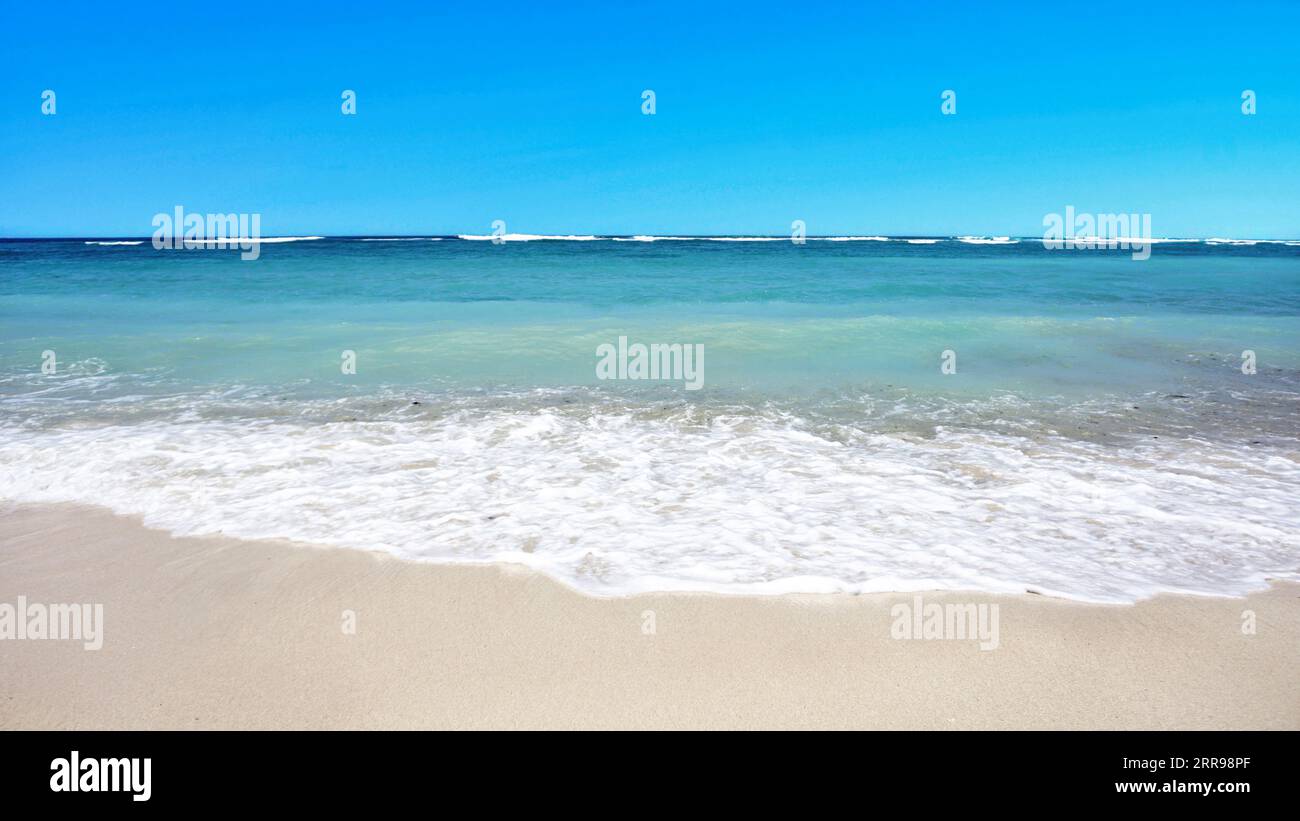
(767, 113)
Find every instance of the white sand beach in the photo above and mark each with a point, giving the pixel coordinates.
(220, 633)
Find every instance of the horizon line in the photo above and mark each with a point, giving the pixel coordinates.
(589, 237)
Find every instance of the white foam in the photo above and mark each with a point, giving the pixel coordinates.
(241, 240)
(115, 242)
(1229, 241)
(401, 239)
(616, 503)
(529, 237)
(921, 241)
(1103, 241)
(650, 238)
(988, 240)
(852, 239)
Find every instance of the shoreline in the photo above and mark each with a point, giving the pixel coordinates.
(215, 632)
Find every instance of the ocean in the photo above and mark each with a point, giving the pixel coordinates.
(868, 414)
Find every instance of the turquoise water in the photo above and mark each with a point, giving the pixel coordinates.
(772, 316)
(1098, 438)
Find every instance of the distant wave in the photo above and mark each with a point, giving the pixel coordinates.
(528, 237)
(1096, 240)
(649, 238)
(730, 238)
(1166, 240)
(968, 239)
(238, 240)
(654, 238)
(965, 239)
(1229, 241)
(207, 240)
(988, 240)
(282, 239)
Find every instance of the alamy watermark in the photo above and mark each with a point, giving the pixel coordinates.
(193, 230)
(77, 774)
(671, 361)
(34, 621)
(1096, 231)
(953, 620)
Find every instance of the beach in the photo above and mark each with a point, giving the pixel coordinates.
(219, 633)
(588, 369)
(618, 482)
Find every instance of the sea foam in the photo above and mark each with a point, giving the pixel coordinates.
(625, 500)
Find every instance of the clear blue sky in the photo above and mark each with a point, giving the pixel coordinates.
(766, 113)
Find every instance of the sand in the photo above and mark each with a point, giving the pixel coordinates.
(220, 633)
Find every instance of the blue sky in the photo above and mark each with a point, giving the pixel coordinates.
(766, 113)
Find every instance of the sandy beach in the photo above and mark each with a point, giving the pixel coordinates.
(220, 633)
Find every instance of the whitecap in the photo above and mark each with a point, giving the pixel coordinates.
(988, 240)
(529, 237)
